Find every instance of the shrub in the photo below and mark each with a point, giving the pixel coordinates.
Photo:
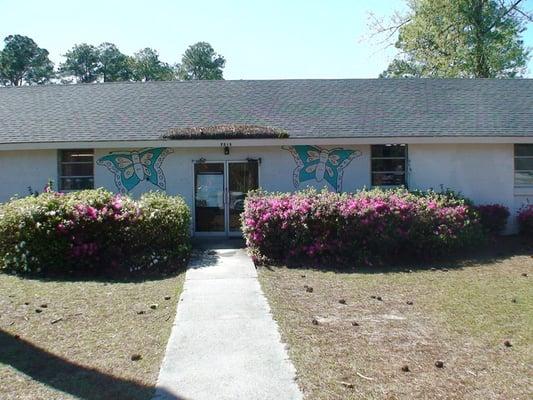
(493, 217)
(525, 220)
(447, 195)
(227, 131)
(93, 232)
(367, 226)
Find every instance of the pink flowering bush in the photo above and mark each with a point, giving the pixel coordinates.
(364, 227)
(525, 220)
(493, 217)
(93, 232)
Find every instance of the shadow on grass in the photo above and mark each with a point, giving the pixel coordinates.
(72, 378)
(107, 275)
(203, 255)
(497, 250)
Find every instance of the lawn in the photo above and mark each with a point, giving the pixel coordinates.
(351, 334)
(76, 339)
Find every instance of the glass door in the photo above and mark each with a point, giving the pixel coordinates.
(209, 197)
(220, 189)
(242, 177)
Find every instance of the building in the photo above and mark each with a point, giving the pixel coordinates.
(211, 141)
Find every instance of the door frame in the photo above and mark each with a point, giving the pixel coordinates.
(226, 232)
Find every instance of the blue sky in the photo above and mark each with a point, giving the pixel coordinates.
(275, 39)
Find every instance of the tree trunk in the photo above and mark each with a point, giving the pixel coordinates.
(481, 67)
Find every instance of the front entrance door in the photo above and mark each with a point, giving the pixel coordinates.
(219, 192)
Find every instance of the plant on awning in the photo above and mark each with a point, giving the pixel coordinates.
(226, 131)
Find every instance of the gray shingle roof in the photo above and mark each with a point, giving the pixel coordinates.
(304, 108)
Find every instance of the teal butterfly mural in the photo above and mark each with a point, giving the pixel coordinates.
(320, 164)
(130, 168)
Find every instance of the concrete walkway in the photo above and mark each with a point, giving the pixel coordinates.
(224, 343)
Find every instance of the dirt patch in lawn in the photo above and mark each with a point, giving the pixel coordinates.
(76, 340)
(379, 335)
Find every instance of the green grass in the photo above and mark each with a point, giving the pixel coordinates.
(462, 313)
(80, 345)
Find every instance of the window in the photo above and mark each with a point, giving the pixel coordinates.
(523, 164)
(388, 164)
(76, 171)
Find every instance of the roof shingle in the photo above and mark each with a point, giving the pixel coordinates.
(304, 108)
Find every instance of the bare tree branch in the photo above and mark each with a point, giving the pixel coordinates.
(378, 27)
(512, 7)
(527, 16)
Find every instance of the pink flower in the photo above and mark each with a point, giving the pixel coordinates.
(117, 202)
(91, 212)
(61, 228)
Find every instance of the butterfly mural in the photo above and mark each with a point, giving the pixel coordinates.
(320, 164)
(130, 168)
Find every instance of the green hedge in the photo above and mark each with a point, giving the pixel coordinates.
(93, 232)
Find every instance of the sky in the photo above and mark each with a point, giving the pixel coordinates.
(271, 39)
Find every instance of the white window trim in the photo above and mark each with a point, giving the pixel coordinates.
(404, 172)
(61, 163)
(515, 157)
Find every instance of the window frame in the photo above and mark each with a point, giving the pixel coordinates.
(405, 159)
(60, 164)
(515, 157)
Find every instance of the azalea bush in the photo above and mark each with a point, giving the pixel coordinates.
(525, 220)
(365, 227)
(493, 217)
(92, 232)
